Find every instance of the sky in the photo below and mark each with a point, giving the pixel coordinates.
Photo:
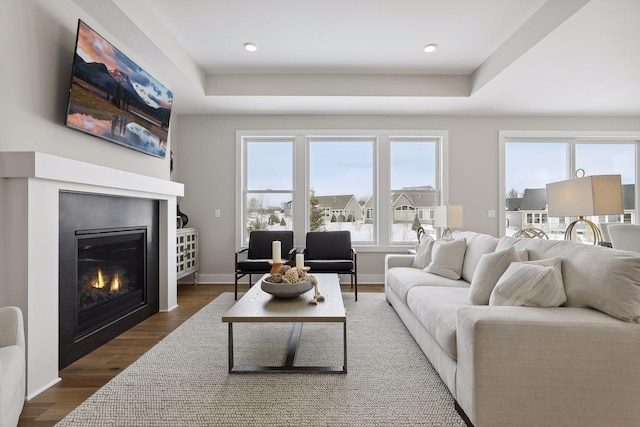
(346, 168)
(340, 168)
(533, 165)
(91, 47)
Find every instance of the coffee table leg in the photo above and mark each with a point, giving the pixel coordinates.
(230, 347)
(293, 344)
(344, 334)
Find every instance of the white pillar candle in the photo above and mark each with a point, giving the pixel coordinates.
(275, 251)
(299, 261)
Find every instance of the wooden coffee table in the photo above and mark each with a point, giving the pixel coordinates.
(258, 306)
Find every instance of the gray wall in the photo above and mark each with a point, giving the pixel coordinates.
(38, 40)
(206, 165)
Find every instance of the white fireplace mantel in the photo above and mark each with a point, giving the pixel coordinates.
(30, 183)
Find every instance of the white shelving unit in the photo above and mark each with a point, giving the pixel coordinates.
(187, 253)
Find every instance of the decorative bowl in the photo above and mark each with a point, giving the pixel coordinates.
(286, 290)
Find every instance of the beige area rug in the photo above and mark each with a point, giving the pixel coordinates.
(183, 380)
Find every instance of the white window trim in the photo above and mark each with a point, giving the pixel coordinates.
(381, 184)
(570, 137)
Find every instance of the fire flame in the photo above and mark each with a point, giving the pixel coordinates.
(115, 284)
(100, 283)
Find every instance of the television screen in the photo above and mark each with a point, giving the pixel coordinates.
(113, 98)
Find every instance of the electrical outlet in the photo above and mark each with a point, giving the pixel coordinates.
(217, 213)
(491, 214)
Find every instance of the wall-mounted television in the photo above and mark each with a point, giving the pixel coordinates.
(111, 97)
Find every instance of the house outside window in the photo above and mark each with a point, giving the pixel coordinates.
(268, 190)
(532, 162)
(414, 186)
(339, 181)
(341, 176)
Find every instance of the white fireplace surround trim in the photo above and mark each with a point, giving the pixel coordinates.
(29, 219)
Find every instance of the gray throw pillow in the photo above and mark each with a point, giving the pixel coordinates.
(447, 257)
(423, 252)
(490, 268)
(531, 284)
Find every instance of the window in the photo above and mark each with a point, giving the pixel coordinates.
(414, 187)
(269, 186)
(529, 167)
(341, 177)
(378, 186)
(531, 163)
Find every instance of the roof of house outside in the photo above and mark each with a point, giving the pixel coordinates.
(629, 196)
(418, 197)
(534, 199)
(334, 202)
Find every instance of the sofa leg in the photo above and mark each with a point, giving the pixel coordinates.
(464, 417)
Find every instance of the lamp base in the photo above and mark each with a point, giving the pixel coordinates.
(597, 234)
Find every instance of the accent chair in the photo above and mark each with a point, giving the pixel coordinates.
(625, 236)
(259, 253)
(331, 252)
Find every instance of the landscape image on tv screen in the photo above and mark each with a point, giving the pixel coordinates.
(113, 98)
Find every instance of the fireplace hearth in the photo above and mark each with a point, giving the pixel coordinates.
(108, 269)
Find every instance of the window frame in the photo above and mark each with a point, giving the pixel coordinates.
(440, 183)
(381, 179)
(571, 139)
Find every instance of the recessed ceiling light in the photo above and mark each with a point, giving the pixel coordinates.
(430, 48)
(250, 47)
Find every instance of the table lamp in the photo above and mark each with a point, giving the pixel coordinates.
(585, 196)
(448, 217)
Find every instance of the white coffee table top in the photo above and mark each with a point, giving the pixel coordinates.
(259, 306)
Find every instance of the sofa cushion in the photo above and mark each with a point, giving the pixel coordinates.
(531, 284)
(446, 258)
(594, 276)
(478, 244)
(488, 271)
(436, 308)
(423, 252)
(402, 279)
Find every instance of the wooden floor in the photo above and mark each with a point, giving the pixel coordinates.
(84, 377)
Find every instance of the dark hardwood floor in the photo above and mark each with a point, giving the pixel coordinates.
(84, 377)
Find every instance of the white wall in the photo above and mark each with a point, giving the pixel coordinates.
(206, 165)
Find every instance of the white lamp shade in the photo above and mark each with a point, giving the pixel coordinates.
(448, 216)
(590, 195)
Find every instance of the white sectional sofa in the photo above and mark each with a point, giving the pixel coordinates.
(577, 364)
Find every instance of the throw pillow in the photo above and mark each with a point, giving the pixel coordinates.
(490, 268)
(423, 252)
(447, 257)
(531, 284)
(523, 255)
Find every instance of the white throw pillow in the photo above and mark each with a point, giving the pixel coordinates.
(423, 252)
(447, 257)
(490, 268)
(531, 284)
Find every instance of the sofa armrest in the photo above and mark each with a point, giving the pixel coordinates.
(545, 366)
(398, 260)
(11, 327)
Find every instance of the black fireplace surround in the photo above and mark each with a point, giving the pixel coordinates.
(108, 269)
